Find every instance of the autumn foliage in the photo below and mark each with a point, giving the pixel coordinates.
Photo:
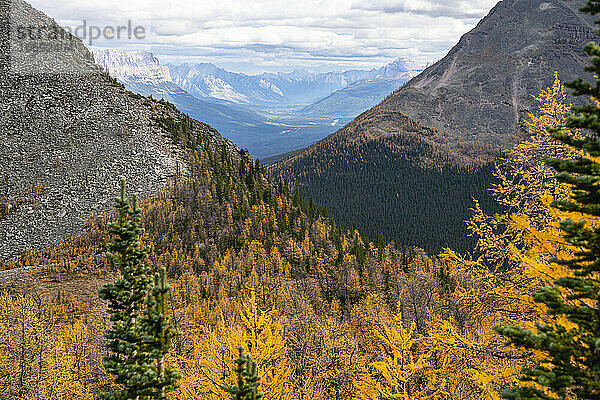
(322, 311)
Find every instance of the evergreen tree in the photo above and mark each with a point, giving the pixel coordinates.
(127, 360)
(312, 209)
(248, 379)
(571, 364)
(158, 338)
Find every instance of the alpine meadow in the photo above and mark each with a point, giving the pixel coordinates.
(442, 242)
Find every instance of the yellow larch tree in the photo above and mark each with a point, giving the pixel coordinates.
(406, 367)
(214, 347)
(511, 257)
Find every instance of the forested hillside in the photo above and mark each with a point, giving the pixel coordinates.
(224, 233)
(407, 185)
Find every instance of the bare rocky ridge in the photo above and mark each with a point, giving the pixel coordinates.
(67, 133)
(481, 90)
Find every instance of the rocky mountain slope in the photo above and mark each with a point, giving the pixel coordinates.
(444, 125)
(67, 132)
(481, 90)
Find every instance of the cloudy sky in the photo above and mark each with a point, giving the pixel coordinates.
(254, 36)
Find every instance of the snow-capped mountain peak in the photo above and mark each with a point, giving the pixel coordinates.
(132, 67)
(268, 85)
(399, 67)
(219, 89)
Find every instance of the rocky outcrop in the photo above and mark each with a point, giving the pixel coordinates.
(139, 67)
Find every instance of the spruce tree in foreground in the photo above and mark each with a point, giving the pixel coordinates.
(571, 365)
(158, 338)
(140, 335)
(248, 379)
(126, 302)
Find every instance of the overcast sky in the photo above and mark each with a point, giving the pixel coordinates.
(253, 36)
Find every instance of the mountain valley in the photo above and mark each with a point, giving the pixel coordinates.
(457, 115)
(252, 110)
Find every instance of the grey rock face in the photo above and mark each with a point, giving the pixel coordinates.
(67, 133)
(480, 91)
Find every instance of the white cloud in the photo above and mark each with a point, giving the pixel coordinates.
(434, 8)
(282, 34)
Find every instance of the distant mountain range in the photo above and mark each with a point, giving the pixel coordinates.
(142, 73)
(297, 87)
(210, 81)
(306, 87)
(268, 113)
(353, 99)
(410, 166)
